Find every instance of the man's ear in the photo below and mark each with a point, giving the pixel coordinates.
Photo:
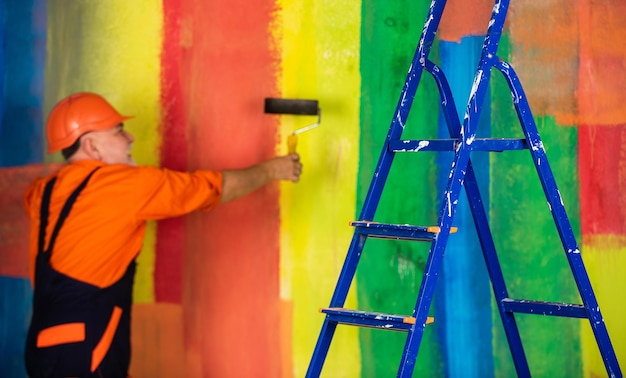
(89, 147)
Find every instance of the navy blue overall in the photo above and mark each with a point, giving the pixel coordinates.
(61, 300)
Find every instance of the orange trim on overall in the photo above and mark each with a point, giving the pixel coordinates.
(61, 334)
(105, 342)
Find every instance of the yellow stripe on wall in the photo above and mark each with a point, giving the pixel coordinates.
(319, 44)
(605, 259)
(113, 48)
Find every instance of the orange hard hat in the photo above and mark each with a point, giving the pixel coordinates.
(76, 115)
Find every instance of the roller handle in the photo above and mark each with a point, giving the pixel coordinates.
(292, 141)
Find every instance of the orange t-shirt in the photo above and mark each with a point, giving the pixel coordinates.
(105, 229)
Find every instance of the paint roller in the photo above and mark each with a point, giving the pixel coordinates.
(294, 107)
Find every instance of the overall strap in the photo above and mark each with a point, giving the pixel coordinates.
(45, 204)
(43, 213)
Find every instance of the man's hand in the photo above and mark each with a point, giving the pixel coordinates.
(239, 182)
(285, 167)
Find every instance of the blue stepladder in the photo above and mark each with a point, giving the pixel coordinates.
(462, 142)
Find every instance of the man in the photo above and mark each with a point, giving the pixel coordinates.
(87, 225)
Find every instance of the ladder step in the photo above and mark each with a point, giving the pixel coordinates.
(371, 319)
(569, 310)
(478, 144)
(397, 231)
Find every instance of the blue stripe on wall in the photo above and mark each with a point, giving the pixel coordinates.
(2, 72)
(15, 310)
(22, 60)
(22, 66)
(463, 301)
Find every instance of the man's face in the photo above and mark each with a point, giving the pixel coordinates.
(114, 145)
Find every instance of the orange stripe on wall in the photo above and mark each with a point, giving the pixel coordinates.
(601, 94)
(545, 55)
(230, 270)
(464, 18)
(286, 345)
(157, 336)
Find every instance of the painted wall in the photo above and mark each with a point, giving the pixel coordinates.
(235, 292)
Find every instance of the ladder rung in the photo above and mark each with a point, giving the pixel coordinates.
(570, 310)
(478, 144)
(397, 231)
(371, 319)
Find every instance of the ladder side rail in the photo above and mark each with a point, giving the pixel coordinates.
(321, 349)
(348, 270)
(481, 78)
(402, 109)
(346, 276)
(498, 284)
(434, 261)
(454, 186)
(435, 255)
(481, 222)
(379, 178)
(561, 219)
(448, 105)
(437, 249)
(494, 30)
(540, 160)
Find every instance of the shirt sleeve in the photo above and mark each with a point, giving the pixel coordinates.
(165, 193)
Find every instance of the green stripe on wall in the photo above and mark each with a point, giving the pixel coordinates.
(529, 249)
(390, 272)
(531, 254)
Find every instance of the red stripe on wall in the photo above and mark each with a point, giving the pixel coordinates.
(602, 169)
(14, 222)
(231, 264)
(173, 155)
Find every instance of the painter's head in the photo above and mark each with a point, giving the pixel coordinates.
(85, 126)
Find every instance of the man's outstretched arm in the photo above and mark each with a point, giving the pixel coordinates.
(239, 182)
